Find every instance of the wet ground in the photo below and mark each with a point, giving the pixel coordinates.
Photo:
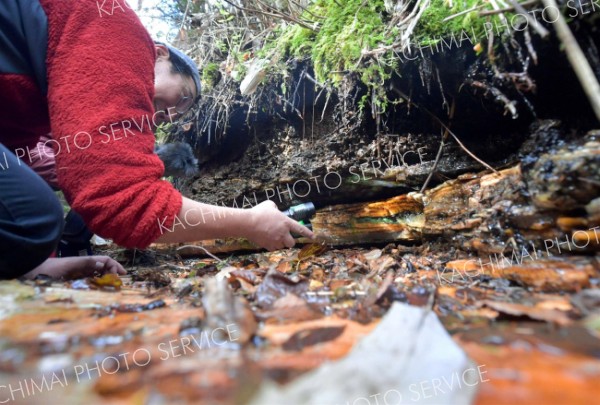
(172, 331)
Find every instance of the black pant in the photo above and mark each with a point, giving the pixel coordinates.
(31, 217)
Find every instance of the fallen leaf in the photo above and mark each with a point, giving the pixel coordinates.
(373, 254)
(311, 337)
(248, 275)
(139, 307)
(225, 311)
(318, 274)
(225, 272)
(53, 299)
(289, 308)
(107, 280)
(314, 249)
(276, 285)
(533, 312)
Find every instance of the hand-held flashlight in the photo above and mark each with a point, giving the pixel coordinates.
(301, 213)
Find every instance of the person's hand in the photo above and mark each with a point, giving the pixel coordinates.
(104, 264)
(77, 267)
(271, 229)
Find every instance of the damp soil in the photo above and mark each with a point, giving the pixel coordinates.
(272, 147)
(149, 341)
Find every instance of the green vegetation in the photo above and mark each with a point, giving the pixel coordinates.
(347, 28)
(341, 39)
(210, 76)
(432, 27)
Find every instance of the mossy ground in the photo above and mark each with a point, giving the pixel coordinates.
(345, 29)
(210, 76)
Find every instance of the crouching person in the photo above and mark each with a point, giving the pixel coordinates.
(67, 71)
(31, 225)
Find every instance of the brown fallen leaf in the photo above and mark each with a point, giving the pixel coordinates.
(318, 274)
(534, 312)
(289, 308)
(553, 274)
(285, 267)
(278, 334)
(277, 285)
(247, 280)
(314, 249)
(225, 311)
(381, 265)
(248, 275)
(53, 299)
(339, 283)
(154, 276)
(311, 337)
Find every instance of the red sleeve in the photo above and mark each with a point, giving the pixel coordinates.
(100, 90)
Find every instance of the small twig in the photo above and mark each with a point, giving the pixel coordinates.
(467, 150)
(508, 104)
(201, 248)
(175, 267)
(381, 49)
(187, 8)
(432, 115)
(423, 5)
(411, 15)
(325, 107)
(491, 56)
(435, 165)
(508, 9)
(450, 17)
(529, 45)
(439, 153)
(543, 32)
(284, 16)
(307, 10)
(500, 14)
(590, 181)
(312, 79)
(278, 15)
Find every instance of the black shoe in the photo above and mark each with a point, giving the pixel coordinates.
(75, 240)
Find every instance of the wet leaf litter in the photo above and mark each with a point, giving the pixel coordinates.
(226, 333)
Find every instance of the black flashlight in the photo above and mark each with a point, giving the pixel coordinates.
(301, 213)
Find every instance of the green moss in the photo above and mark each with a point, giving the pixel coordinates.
(161, 133)
(297, 40)
(348, 27)
(431, 27)
(210, 76)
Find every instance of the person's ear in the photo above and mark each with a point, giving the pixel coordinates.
(162, 52)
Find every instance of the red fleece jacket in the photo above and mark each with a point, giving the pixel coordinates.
(100, 75)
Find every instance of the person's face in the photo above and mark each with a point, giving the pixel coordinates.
(173, 92)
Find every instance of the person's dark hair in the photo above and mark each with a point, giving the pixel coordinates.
(183, 64)
(179, 65)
